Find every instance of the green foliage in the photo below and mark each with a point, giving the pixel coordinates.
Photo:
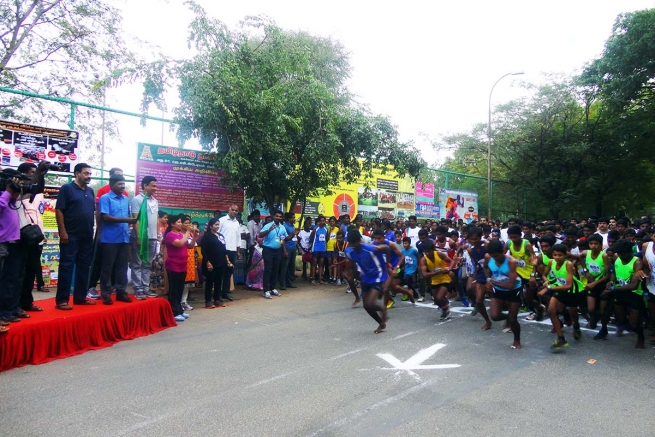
(273, 107)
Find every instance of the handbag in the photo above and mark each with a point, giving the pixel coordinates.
(31, 233)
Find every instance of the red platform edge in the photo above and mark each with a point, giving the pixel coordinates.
(54, 334)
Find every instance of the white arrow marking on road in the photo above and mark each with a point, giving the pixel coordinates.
(416, 361)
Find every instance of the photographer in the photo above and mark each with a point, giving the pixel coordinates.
(17, 233)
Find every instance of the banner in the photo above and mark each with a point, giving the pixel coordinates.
(382, 196)
(427, 212)
(187, 181)
(47, 208)
(424, 194)
(457, 204)
(29, 143)
(50, 264)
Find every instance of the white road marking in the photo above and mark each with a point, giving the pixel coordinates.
(275, 378)
(415, 362)
(405, 335)
(345, 355)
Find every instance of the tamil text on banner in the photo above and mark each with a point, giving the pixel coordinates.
(187, 181)
(28, 143)
(457, 204)
(47, 208)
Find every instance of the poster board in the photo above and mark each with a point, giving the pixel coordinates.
(29, 143)
(458, 204)
(187, 181)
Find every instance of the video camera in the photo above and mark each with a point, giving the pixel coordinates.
(22, 186)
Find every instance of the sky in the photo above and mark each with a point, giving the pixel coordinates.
(428, 65)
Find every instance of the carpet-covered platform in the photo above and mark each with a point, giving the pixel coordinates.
(54, 334)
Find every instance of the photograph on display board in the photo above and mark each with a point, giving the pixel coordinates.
(367, 196)
(405, 201)
(404, 213)
(387, 213)
(387, 199)
(368, 212)
(458, 205)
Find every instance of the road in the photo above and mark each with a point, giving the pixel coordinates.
(307, 364)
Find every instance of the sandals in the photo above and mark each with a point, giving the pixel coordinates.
(3, 329)
(63, 306)
(34, 308)
(4, 323)
(84, 302)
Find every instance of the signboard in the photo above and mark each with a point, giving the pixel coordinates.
(457, 204)
(50, 264)
(187, 180)
(427, 212)
(424, 193)
(29, 143)
(382, 196)
(47, 209)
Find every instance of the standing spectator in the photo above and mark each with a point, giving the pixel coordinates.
(240, 265)
(157, 274)
(274, 235)
(75, 211)
(288, 264)
(96, 265)
(232, 235)
(177, 240)
(254, 228)
(33, 261)
(115, 240)
(143, 240)
(213, 261)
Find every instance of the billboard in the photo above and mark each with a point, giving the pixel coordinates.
(29, 143)
(187, 181)
(424, 193)
(384, 195)
(458, 204)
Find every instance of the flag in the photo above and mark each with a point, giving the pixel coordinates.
(143, 231)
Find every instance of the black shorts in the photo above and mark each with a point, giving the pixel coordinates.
(597, 290)
(570, 300)
(508, 296)
(436, 287)
(628, 299)
(372, 287)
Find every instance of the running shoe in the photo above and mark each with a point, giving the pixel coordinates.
(338, 282)
(465, 302)
(149, 293)
(274, 292)
(186, 307)
(92, 294)
(405, 298)
(348, 290)
(475, 311)
(267, 294)
(531, 316)
(390, 304)
(420, 299)
(179, 318)
(559, 344)
(185, 315)
(602, 335)
(577, 334)
(445, 314)
(140, 296)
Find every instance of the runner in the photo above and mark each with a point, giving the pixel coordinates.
(476, 285)
(318, 242)
(626, 291)
(394, 263)
(595, 266)
(433, 265)
(567, 293)
(339, 255)
(411, 266)
(504, 281)
(371, 265)
(521, 250)
(332, 232)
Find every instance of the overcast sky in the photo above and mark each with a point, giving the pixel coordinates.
(429, 65)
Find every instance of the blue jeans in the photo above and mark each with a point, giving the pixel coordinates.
(77, 254)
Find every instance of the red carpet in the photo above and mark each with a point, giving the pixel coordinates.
(54, 334)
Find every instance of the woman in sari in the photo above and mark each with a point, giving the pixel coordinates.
(255, 277)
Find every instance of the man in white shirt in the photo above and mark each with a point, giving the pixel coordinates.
(231, 232)
(603, 230)
(412, 230)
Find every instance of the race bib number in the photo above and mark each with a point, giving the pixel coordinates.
(481, 263)
(561, 281)
(501, 278)
(321, 237)
(622, 282)
(520, 263)
(409, 260)
(342, 254)
(333, 236)
(594, 268)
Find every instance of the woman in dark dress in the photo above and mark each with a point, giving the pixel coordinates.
(214, 259)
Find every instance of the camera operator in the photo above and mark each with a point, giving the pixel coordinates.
(13, 242)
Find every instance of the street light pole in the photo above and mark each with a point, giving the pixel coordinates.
(489, 143)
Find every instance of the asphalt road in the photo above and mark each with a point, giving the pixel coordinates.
(307, 364)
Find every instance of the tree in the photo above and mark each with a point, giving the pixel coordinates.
(66, 48)
(273, 107)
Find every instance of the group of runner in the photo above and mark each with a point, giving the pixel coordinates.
(595, 268)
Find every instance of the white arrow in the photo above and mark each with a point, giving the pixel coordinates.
(416, 361)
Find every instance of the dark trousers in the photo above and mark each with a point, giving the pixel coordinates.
(228, 271)
(287, 269)
(114, 268)
(96, 264)
(11, 279)
(214, 284)
(32, 270)
(175, 289)
(272, 258)
(76, 254)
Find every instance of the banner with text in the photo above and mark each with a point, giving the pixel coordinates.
(187, 180)
(457, 204)
(28, 143)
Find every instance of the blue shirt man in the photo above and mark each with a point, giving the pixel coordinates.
(274, 239)
(371, 264)
(116, 205)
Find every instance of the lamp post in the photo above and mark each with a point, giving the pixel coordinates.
(516, 73)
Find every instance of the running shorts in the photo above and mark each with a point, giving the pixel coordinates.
(508, 295)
